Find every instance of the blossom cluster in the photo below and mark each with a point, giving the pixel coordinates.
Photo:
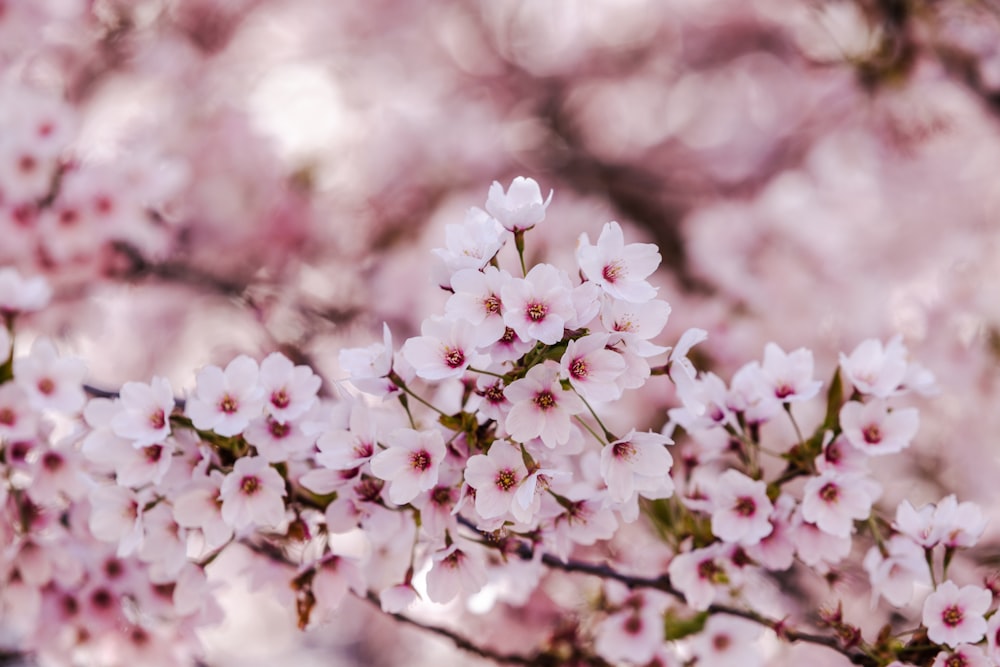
(477, 458)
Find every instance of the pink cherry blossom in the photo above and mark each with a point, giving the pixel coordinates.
(538, 306)
(145, 415)
(226, 401)
(834, 502)
(410, 464)
(619, 269)
(592, 369)
(51, 382)
(789, 376)
(470, 245)
(252, 494)
(639, 464)
(519, 208)
(741, 509)
(874, 369)
(727, 641)
(476, 299)
(894, 574)
(954, 615)
(875, 429)
(963, 655)
(454, 572)
(445, 350)
(540, 407)
(496, 477)
(289, 390)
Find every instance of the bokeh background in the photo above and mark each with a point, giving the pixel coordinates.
(814, 172)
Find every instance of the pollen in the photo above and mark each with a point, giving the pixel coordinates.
(250, 485)
(152, 453)
(745, 506)
(623, 451)
(508, 336)
(491, 304)
(545, 400)
(46, 386)
(228, 404)
(872, 434)
(579, 369)
(494, 393)
(158, 420)
(453, 357)
(278, 430)
(280, 399)
(420, 460)
(952, 616)
(506, 479)
(536, 311)
(613, 271)
(52, 461)
(830, 492)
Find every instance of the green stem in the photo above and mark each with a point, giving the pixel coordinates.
(519, 243)
(590, 430)
(490, 373)
(611, 437)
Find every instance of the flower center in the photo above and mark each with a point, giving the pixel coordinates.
(784, 390)
(280, 399)
(491, 304)
(952, 616)
(420, 460)
(745, 506)
(7, 417)
(506, 479)
(633, 625)
(46, 386)
(494, 393)
(872, 434)
(956, 660)
(721, 642)
(152, 453)
(578, 369)
(623, 450)
(441, 495)
(228, 404)
(545, 400)
(158, 419)
(250, 485)
(508, 336)
(278, 430)
(707, 569)
(830, 492)
(453, 357)
(52, 461)
(613, 271)
(536, 311)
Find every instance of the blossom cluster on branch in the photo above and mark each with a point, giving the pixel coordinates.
(477, 457)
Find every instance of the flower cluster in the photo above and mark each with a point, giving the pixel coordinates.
(477, 459)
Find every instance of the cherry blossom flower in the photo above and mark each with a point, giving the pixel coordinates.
(496, 477)
(592, 369)
(445, 350)
(226, 401)
(619, 269)
(789, 376)
(277, 441)
(894, 574)
(289, 390)
(145, 415)
(632, 634)
(455, 571)
(954, 615)
(834, 502)
(252, 494)
(953, 523)
(520, 207)
(18, 420)
(726, 641)
(51, 382)
(116, 517)
(476, 299)
(199, 506)
(874, 369)
(875, 430)
(993, 637)
(540, 407)
(699, 574)
(538, 306)
(741, 509)
(410, 464)
(639, 464)
(22, 295)
(470, 245)
(369, 367)
(963, 655)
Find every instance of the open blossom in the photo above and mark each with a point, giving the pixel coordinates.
(226, 401)
(741, 509)
(410, 464)
(640, 464)
(496, 477)
(455, 571)
(540, 407)
(954, 615)
(874, 369)
(445, 350)
(699, 574)
(592, 369)
(519, 208)
(51, 382)
(289, 390)
(476, 299)
(789, 376)
(834, 502)
(951, 522)
(963, 655)
(875, 430)
(145, 415)
(894, 574)
(619, 269)
(727, 641)
(538, 306)
(632, 634)
(253, 494)
(369, 367)
(470, 245)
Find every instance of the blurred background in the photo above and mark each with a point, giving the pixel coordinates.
(201, 178)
